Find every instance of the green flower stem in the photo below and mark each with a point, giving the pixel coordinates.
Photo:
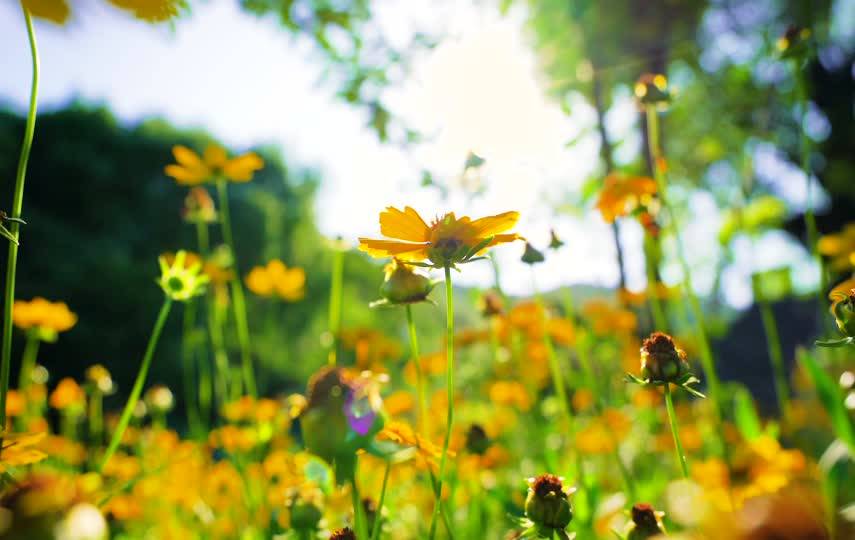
(375, 532)
(205, 378)
(707, 360)
(336, 290)
(672, 418)
(554, 366)
(360, 527)
(449, 380)
(188, 358)
(773, 345)
(238, 301)
(216, 318)
(28, 359)
(96, 417)
(423, 419)
(805, 150)
(138, 384)
(14, 226)
(651, 247)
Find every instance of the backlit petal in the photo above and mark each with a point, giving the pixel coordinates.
(404, 225)
(241, 168)
(490, 225)
(391, 248)
(186, 156)
(185, 175)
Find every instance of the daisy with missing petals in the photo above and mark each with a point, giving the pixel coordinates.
(446, 242)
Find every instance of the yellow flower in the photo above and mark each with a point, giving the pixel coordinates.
(49, 318)
(192, 169)
(153, 11)
(403, 434)
(839, 248)
(67, 394)
(180, 278)
(276, 278)
(623, 194)
(445, 242)
(17, 450)
(56, 11)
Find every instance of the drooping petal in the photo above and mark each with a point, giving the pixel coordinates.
(56, 11)
(391, 248)
(490, 225)
(186, 156)
(404, 225)
(185, 175)
(241, 168)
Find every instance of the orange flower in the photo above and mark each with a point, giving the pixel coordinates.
(447, 241)
(276, 278)
(67, 394)
(192, 169)
(49, 318)
(622, 194)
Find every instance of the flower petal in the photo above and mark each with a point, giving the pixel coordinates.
(241, 168)
(490, 225)
(404, 225)
(187, 157)
(185, 175)
(391, 248)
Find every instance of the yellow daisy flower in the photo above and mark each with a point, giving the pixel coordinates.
(48, 318)
(448, 240)
(191, 169)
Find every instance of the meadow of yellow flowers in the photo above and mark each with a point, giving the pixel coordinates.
(547, 418)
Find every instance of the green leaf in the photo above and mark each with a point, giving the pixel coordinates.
(835, 343)
(745, 414)
(320, 473)
(831, 398)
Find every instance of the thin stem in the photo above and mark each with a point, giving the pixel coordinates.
(28, 360)
(359, 525)
(375, 533)
(449, 382)
(420, 378)
(14, 226)
(138, 384)
(651, 250)
(773, 345)
(554, 366)
(672, 418)
(187, 364)
(707, 359)
(336, 290)
(805, 151)
(238, 301)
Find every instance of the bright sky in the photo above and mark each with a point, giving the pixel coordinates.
(247, 82)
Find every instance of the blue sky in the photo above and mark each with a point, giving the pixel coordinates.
(248, 82)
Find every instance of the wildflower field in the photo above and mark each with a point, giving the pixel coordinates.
(202, 338)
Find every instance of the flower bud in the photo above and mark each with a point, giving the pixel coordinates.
(645, 522)
(532, 255)
(547, 505)
(652, 89)
(661, 360)
(844, 313)
(305, 514)
(403, 285)
(477, 440)
(323, 421)
(343, 534)
(491, 304)
(554, 241)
